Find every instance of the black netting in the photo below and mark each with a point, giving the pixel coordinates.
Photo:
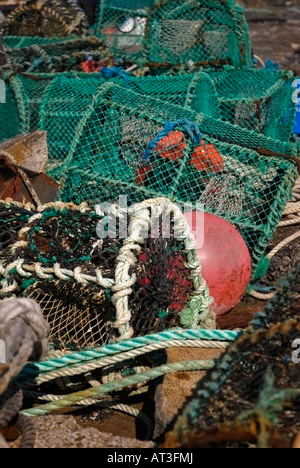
(252, 395)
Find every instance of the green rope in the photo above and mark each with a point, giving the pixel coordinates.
(95, 392)
(112, 361)
(115, 348)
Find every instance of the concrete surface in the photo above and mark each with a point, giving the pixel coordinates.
(60, 431)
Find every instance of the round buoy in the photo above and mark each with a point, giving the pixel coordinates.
(225, 259)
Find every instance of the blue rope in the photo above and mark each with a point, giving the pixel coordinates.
(113, 72)
(36, 64)
(192, 130)
(262, 289)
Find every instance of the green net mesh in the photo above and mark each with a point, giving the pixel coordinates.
(198, 32)
(100, 275)
(65, 91)
(251, 398)
(70, 108)
(46, 18)
(264, 104)
(176, 32)
(26, 95)
(9, 116)
(259, 100)
(122, 24)
(232, 179)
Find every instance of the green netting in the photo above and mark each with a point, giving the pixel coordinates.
(9, 117)
(259, 100)
(26, 96)
(33, 90)
(63, 112)
(122, 24)
(199, 32)
(195, 92)
(67, 101)
(46, 18)
(176, 32)
(223, 171)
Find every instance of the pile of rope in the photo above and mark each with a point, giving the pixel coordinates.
(23, 331)
(105, 387)
(291, 218)
(291, 215)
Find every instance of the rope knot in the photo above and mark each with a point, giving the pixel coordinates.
(114, 72)
(190, 128)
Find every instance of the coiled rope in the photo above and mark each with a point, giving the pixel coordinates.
(82, 362)
(96, 392)
(291, 217)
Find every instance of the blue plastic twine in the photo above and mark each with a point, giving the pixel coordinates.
(113, 72)
(189, 127)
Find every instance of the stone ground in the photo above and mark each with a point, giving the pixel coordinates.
(274, 27)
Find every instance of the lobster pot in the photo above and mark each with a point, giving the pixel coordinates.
(105, 274)
(232, 389)
(110, 156)
(54, 55)
(259, 100)
(207, 33)
(25, 96)
(67, 100)
(220, 95)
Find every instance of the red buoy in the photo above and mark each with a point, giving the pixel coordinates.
(225, 260)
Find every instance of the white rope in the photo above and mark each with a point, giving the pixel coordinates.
(29, 311)
(261, 296)
(24, 331)
(126, 409)
(291, 217)
(43, 273)
(260, 60)
(143, 215)
(88, 367)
